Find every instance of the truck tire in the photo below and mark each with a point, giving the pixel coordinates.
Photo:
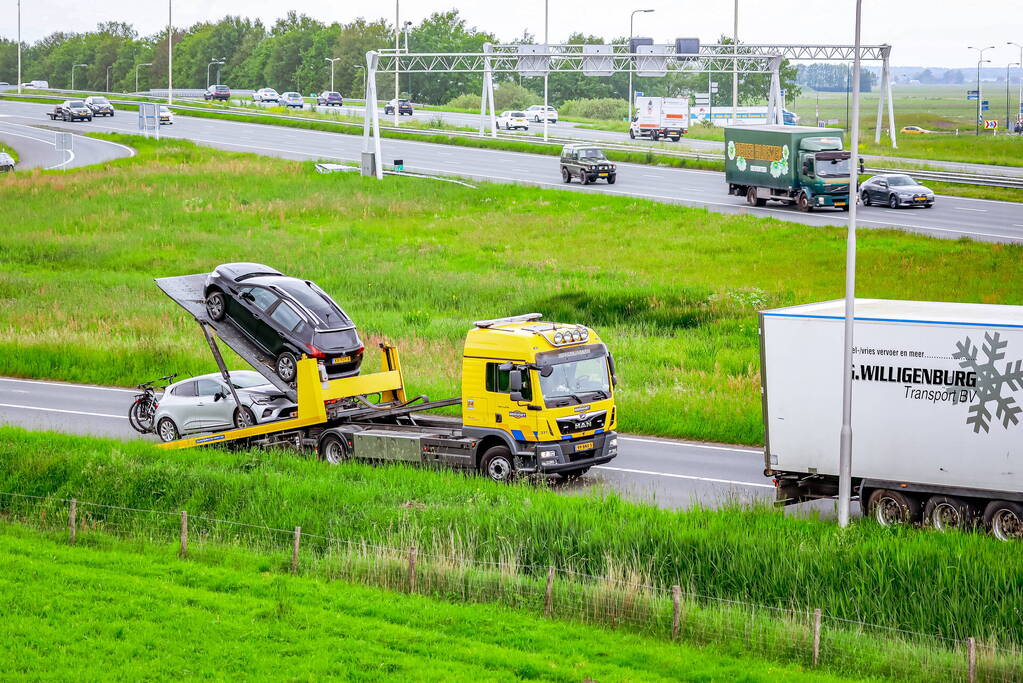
(944, 513)
(891, 508)
(611, 179)
(803, 203)
(566, 177)
(333, 449)
(654, 135)
(497, 464)
(1005, 520)
(752, 199)
(632, 134)
(676, 138)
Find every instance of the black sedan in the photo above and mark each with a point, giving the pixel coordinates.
(285, 316)
(895, 190)
(99, 105)
(71, 110)
(404, 107)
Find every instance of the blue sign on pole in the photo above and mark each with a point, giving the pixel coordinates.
(972, 97)
(984, 106)
(639, 94)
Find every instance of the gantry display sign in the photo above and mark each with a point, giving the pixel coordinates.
(686, 55)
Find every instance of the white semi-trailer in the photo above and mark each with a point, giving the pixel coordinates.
(937, 409)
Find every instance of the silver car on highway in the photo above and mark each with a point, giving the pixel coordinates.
(205, 404)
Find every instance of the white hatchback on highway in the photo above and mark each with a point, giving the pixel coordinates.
(535, 114)
(265, 95)
(205, 404)
(292, 99)
(513, 119)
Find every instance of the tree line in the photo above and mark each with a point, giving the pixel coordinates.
(292, 54)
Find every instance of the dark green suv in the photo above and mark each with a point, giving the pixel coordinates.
(587, 163)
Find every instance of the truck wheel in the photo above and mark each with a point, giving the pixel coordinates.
(945, 512)
(285, 366)
(611, 179)
(1005, 520)
(216, 305)
(803, 203)
(243, 417)
(566, 177)
(676, 138)
(333, 449)
(752, 199)
(632, 134)
(497, 464)
(167, 430)
(654, 136)
(585, 178)
(891, 508)
(571, 476)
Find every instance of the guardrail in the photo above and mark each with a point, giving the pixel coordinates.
(1010, 182)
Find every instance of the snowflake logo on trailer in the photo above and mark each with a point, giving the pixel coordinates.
(991, 381)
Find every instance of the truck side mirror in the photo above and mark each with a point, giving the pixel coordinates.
(515, 381)
(516, 396)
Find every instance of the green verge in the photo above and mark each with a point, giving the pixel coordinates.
(106, 605)
(955, 585)
(674, 291)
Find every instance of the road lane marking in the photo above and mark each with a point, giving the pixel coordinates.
(967, 208)
(66, 384)
(693, 445)
(711, 480)
(58, 410)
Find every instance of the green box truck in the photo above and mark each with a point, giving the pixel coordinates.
(791, 164)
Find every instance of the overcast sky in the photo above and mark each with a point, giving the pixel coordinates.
(922, 33)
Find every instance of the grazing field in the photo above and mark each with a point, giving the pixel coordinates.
(128, 611)
(954, 585)
(674, 291)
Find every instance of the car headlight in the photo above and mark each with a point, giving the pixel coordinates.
(905, 195)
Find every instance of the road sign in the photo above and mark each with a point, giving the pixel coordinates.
(972, 92)
(990, 125)
(984, 106)
(972, 97)
(639, 93)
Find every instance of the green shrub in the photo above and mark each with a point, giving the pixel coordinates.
(602, 108)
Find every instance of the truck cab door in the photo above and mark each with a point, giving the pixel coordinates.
(510, 416)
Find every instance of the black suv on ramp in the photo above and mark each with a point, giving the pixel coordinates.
(587, 163)
(285, 316)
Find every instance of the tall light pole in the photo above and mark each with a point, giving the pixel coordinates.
(19, 47)
(108, 76)
(1019, 112)
(546, 67)
(1008, 126)
(397, 58)
(218, 62)
(73, 67)
(332, 60)
(735, 63)
(406, 27)
(632, 18)
(845, 439)
(980, 95)
(170, 53)
(137, 74)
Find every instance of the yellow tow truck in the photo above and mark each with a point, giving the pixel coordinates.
(537, 398)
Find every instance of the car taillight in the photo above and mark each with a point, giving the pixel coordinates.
(315, 352)
(155, 406)
(358, 351)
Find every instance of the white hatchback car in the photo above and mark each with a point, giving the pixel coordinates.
(265, 95)
(535, 114)
(205, 404)
(513, 119)
(292, 99)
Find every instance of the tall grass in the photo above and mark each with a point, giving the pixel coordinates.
(674, 291)
(954, 585)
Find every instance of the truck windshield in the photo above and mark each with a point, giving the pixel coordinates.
(577, 379)
(592, 155)
(833, 168)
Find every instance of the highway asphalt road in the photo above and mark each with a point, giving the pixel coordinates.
(37, 147)
(951, 217)
(660, 471)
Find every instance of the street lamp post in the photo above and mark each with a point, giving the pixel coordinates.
(546, 66)
(332, 60)
(218, 62)
(1019, 112)
(19, 47)
(845, 439)
(632, 18)
(407, 26)
(73, 67)
(980, 95)
(108, 76)
(170, 53)
(137, 74)
(1008, 127)
(397, 59)
(735, 63)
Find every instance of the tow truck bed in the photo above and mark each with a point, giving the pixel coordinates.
(187, 292)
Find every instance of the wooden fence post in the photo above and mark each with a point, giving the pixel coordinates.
(294, 549)
(971, 660)
(548, 598)
(72, 521)
(184, 534)
(816, 636)
(413, 552)
(676, 621)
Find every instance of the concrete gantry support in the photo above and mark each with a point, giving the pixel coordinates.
(885, 94)
(371, 138)
(775, 108)
(487, 101)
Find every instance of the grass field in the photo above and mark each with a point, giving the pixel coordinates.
(674, 291)
(954, 585)
(125, 611)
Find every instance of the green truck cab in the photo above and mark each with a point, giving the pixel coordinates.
(797, 165)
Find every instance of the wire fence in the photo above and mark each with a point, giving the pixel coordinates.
(619, 599)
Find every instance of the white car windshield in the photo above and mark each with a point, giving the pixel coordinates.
(246, 380)
(576, 378)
